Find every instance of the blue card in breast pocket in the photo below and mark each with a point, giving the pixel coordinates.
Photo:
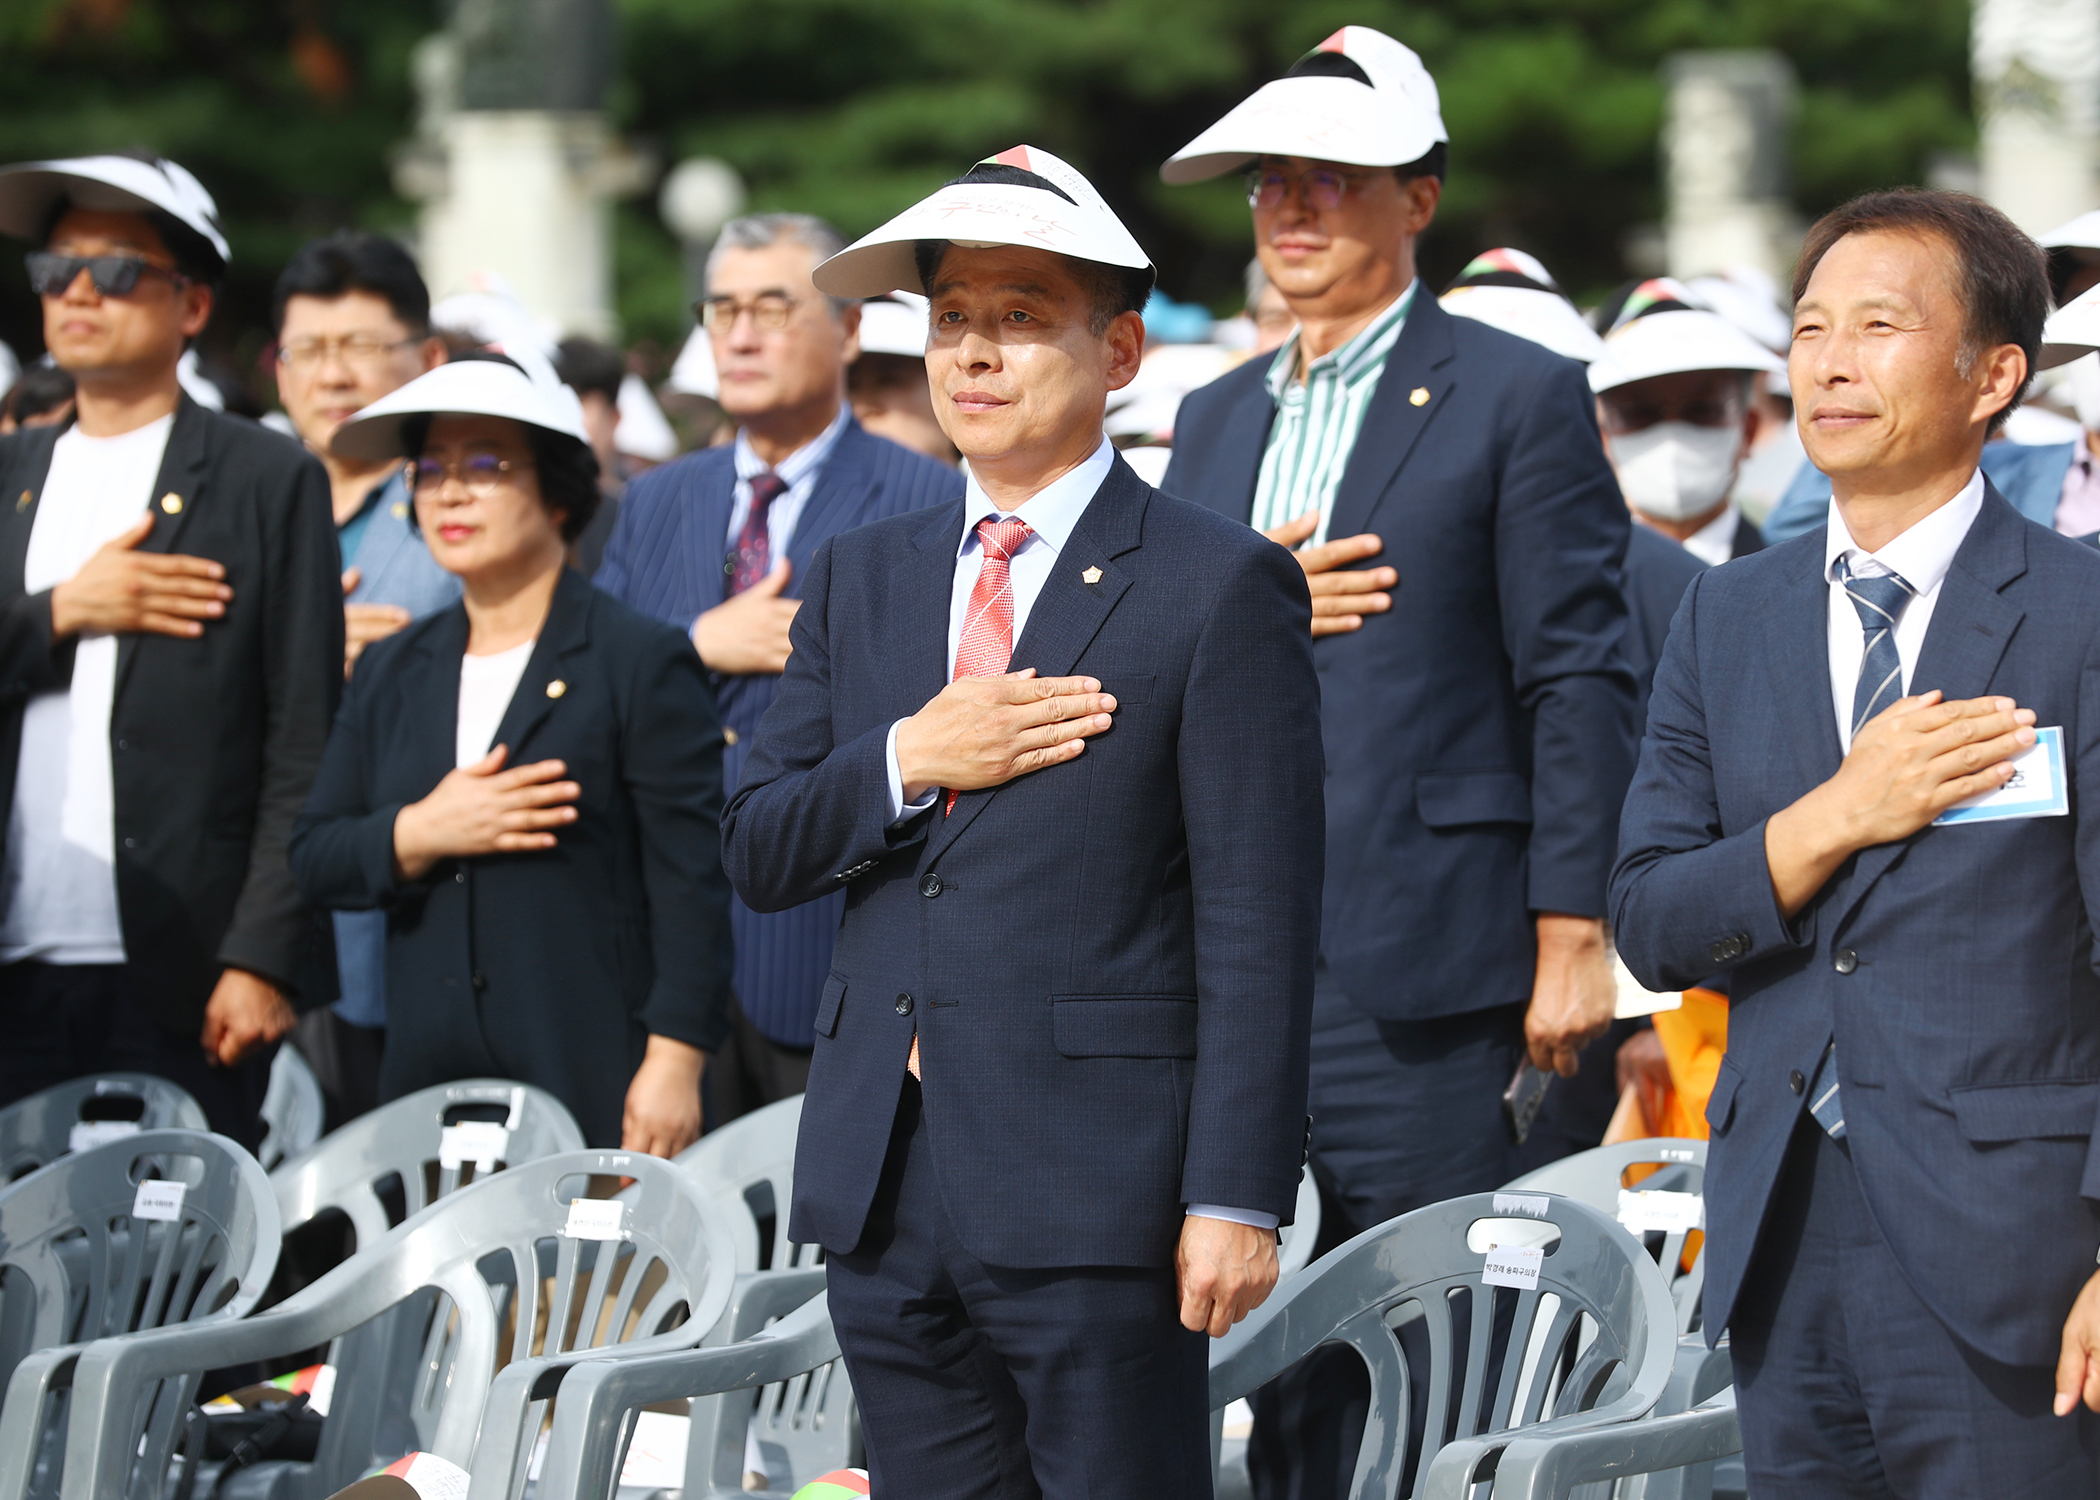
(2038, 789)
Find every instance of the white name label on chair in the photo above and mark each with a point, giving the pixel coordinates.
(158, 1200)
(1534, 1204)
(596, 1219)
(1666, 1213)
(86, 1135)
(482, 1142)
(1513, 1265)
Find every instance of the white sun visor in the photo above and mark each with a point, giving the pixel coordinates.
(2082, 233)
(475, 388)
(1545, 318)
(116, 184)
(2073, 330)
(1359, 98)
(1675, 343)
(895, 324)
(1066, 216)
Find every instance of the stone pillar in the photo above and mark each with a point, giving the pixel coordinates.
(1725, 143)
(513, 159)
(2036, 65)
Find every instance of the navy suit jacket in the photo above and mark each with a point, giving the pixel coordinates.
(665, 559)
(1109, 962)
(1954, 967)
(1480, 735)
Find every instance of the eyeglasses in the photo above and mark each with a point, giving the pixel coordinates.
(112, 275)
(1322, 187)
(769, 311)
(480, 474)
(359, 350)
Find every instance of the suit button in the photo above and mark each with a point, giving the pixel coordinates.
(1722, 951)
(904, 1005)
(123, 744)
(460, 877)
(1795, 1081)
(930, 887)
(131, 843)
(1846, 961)
(481, 981)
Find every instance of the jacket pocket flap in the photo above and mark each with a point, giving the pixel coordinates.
(1124, 1025)
(828, 1006)
(1720, 1104)
(2026, 1111)
(1452, 799)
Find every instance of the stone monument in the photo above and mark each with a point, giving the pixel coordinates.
(1725, 143)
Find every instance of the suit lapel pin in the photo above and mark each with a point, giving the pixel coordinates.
(171, 503)
(401, 510)
(23, 503)
(556, 688)
(1419, 396)
(1092, 575)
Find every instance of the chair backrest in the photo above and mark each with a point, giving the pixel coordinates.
(415, 1142)
(1303, 1232)
(37, 1131)
(751, 1162)
(801, 1427)
(159, 1228)
(292, 1108)
(1453, 1357)
(1661, 1165)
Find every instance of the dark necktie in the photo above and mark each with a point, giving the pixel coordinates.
(753, 557)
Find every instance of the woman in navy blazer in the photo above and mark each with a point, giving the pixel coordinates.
(529, 784)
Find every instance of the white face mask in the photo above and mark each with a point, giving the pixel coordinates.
(1676, 470)
(2084, 381)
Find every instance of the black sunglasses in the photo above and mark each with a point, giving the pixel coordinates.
(113, 275)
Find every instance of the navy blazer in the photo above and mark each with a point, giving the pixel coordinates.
(1954, 967)
(1480, 735)
(552, 967)
(665, 558)
(1109, 962)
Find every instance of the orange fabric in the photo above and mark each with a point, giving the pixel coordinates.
(1693, 1038)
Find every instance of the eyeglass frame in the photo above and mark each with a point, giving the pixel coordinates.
(338, 348)
(93, 265)
(456, 469)
(708, 310)
(1255, 178)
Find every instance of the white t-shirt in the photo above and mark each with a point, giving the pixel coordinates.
(61, 882)
(486, 686)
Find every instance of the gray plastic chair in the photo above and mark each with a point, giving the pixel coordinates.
(1595, 1178)
(500, 1250)
(81, 1266)
(37, 1131)
(292, 1108)
(800, 1353)
(751, 1162)
(1599, 1318)
(407, 1139)
(1686, 1443)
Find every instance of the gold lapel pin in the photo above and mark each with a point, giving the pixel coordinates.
(556, 688)
(1092, 575)
(728, 735)
(401, 510)
(1419, 396)
(23, 503)
(171, 503)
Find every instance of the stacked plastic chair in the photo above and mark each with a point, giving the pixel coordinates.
(91, 1111)
(293, 1110)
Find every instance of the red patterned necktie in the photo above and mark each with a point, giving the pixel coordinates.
(754, 544)
(986, 646)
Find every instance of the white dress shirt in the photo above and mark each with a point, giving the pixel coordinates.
(1921, 556)
(486, 686)
(1051, 513)
(799, 469)
(1714, 543)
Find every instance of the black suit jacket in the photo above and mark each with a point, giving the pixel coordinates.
(552, 967)
(1108, 962)
(214, 741)
(1479, 736)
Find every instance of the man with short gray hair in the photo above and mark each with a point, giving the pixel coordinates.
(717, 544)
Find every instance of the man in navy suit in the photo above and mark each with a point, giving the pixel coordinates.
(1900, 1189)
(1059, 742)
(1464, 538)
(719, 544)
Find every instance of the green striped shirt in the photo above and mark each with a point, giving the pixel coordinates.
(1317, 419)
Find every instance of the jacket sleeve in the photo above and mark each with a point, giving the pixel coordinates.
(342, 848)
(1683, 885)
(1253, 805)
(671, 761)
(302, 665)
(810, 813)
(1560, 542)
(31, 661)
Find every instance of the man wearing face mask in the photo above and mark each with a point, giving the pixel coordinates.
(1673, 394)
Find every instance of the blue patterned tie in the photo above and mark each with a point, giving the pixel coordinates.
(1879, 602)
(1823, 1100)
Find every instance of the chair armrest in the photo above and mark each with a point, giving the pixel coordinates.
(22, 1417)
(596, 1394)
(1537, 1467)
(1464, 1462)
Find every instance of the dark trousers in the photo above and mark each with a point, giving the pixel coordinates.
(59, 1022)
(345, 1058)
(977, 1382)
(751, 1071)
(1847, 1385)
(1405, 1113)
